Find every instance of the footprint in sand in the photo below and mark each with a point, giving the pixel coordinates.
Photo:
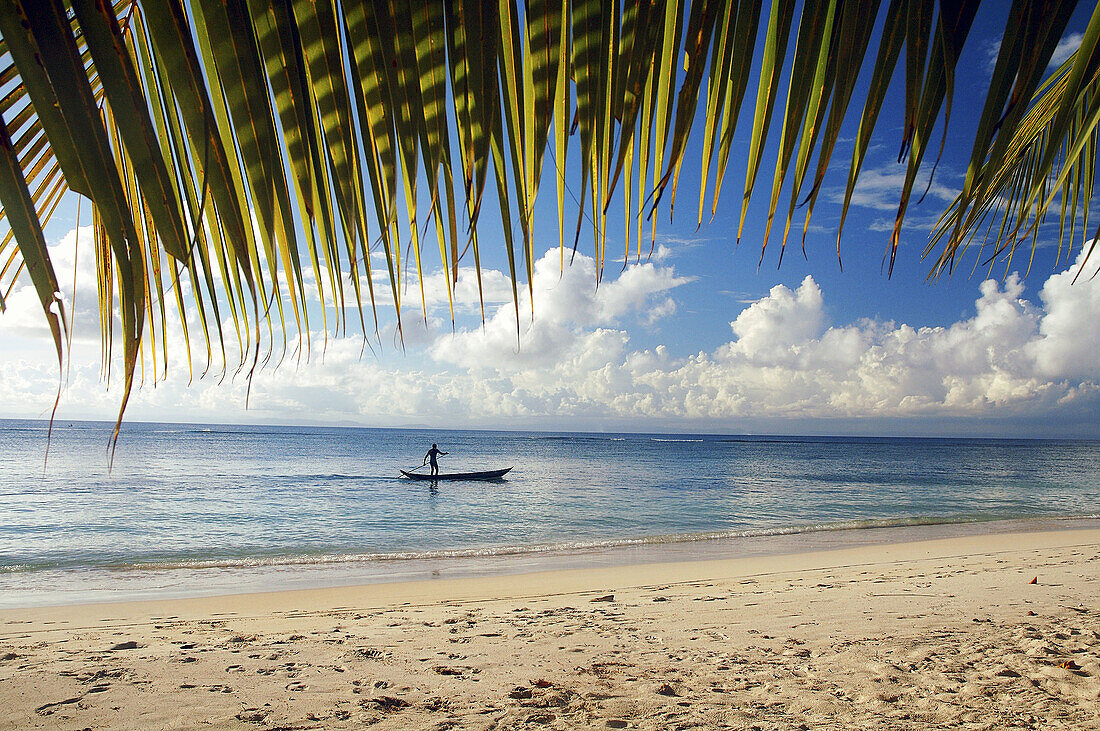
(48, 708)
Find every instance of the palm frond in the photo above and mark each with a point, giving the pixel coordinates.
(239, 153)
(1041, 150)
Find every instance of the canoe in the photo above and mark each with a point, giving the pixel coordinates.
(486, 475)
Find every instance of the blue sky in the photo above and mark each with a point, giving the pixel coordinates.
(698, 338)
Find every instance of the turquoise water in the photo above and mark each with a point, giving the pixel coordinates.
(188, 509)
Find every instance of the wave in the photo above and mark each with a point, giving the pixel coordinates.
(333, 477)
(251, 562)
(659, 439)
(572, 438)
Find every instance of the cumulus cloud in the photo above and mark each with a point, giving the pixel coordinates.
(24, 312)
(777, 325)
(576, 363)
(784, 360)
(1069, 340)
(566, 303)
(466, 298)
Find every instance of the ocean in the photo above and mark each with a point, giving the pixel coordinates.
(194, 510)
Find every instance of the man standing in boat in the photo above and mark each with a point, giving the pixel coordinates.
(431, 456)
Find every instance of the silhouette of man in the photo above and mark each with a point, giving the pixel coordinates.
(431, 456)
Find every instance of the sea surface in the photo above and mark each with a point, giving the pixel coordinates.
(193, 510)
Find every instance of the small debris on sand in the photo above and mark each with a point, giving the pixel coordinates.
(668, 690)
(389, 703)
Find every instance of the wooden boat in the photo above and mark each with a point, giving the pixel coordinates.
(486, 475)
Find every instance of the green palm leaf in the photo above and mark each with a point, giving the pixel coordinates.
(188, 122)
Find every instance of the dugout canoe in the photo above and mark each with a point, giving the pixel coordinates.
(485, 475)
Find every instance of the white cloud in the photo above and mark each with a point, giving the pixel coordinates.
(496, 288)
(1069, 339)
(784, 361)
(576, 364)
(565, 302)
(778, 325)
(1065, 48)
(24, 312)
(992, 51)
(880, 188)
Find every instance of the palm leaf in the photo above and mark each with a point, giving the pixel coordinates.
(186, 122)
(21, 214)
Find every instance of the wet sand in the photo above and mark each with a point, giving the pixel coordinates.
(941, 632)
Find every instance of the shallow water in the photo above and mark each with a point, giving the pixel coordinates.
(195, 509)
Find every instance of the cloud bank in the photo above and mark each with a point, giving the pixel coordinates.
(575, 364)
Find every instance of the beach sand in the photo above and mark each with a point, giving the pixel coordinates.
(950, 632)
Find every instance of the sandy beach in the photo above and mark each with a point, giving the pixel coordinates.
(991, 631)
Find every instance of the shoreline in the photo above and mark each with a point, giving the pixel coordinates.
(150, 583)
(949, 631)
(579, 580)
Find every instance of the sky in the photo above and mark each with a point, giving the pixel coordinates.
(702, 336)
